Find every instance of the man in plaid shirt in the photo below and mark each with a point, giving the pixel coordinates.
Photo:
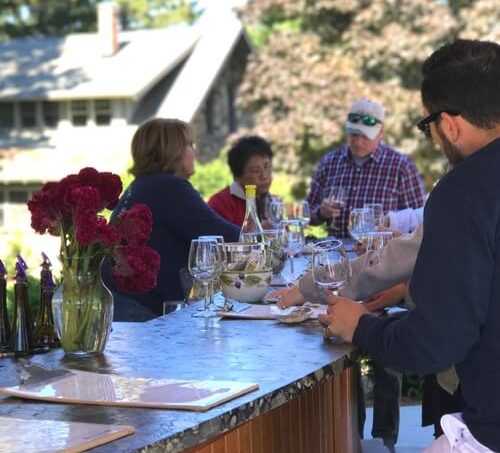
(366, 170)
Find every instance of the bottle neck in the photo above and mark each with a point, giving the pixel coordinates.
(251, 230)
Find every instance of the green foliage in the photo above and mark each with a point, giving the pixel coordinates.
(315, 57)
(33, 295)
(212, 176)
(412, 385)
(61, 17)
(156, 13)
(42, 17)
(33, 277)
(259, 34)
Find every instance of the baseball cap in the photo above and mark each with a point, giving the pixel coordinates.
(366, 118)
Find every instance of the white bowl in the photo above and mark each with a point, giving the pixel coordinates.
(244, 286)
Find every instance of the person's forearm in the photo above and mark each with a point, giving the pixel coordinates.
(395, 265)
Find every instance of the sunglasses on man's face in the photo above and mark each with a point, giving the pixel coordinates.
(367, 120)
(424, 125)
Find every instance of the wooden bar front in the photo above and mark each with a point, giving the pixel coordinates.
(322, 420)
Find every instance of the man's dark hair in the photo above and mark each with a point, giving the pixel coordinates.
(244, 149)
(464, 77)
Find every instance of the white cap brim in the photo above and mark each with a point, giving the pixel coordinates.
(360, 129)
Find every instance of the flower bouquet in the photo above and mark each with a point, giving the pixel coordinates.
(72, 209)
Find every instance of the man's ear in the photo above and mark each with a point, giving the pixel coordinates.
(451, 126)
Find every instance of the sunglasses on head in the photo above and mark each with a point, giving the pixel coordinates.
(424, 124)
(367, 120)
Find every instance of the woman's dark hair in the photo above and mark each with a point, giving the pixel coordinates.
(244, 149)
(464, 76)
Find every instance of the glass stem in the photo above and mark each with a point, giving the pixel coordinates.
(207, 295)
(211, 303)
(292, 268)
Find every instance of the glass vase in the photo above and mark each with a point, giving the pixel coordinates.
(82, 307)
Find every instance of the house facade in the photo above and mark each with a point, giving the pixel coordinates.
(71, 102)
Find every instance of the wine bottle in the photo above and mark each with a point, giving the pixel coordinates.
(45, 335)
(4, 316)
(251, 229)
(21, 339)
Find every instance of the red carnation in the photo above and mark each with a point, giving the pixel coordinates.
(136, 224)
(136, 268)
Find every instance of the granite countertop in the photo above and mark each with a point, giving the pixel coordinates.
(283, 359)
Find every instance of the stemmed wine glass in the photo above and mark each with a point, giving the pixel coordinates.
(274, 211)
(361, 222)
(378, 212)
(221, 264)
(330, 265)
(202, 265)
(301, 211)
(292, 240)
(376, 241)
(337, 196)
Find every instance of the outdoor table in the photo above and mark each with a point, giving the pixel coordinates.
(306, 400)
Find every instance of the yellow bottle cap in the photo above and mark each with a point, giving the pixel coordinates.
(250, 190)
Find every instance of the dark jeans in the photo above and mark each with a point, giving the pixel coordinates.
(386, 394)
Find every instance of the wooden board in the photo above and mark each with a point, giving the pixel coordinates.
(50, 436)
(81, 387)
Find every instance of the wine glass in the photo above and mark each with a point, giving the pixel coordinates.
(202, 265)
(292, 240)
(361, 222)
(330, 265)
(221, 263)
(301, 211)
(378, 212)
(274, 211)
(275, 255)
(376, 241)
(337, 196)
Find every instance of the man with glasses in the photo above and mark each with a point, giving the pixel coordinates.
(366, 169)
(250, 161)
(455, 284)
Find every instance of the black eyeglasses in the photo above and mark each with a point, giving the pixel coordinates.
(424, 124)
(367, 120)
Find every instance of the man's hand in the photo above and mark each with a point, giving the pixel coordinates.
(386, 298)
(329, 209)
(342, 317)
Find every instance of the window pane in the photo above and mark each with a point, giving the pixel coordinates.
(28, 114)
(18, 196)
(6, 114)
(50, 112)
(2, 196)
(79, 113)
(102, 111)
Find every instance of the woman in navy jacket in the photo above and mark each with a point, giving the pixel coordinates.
(163, 161)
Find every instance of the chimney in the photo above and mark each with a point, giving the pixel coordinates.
(107, 27)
